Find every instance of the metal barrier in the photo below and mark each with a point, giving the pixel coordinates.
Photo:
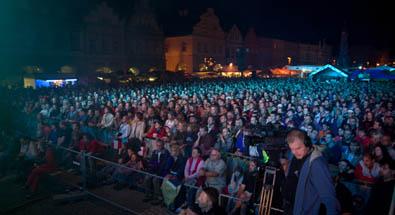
(84, 173)
(82, 164)
(262, 206)
(256, 205)
(356, 190)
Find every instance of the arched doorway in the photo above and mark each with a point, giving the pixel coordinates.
(181, 67)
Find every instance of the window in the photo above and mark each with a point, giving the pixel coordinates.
(183, 47)
(115, 46)
(105, 46)
(75, 41)
(92, 46)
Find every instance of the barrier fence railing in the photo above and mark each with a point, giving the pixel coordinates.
(86, 157)
(99, 134)
(83, 170)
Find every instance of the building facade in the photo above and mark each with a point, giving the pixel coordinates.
(91, 41)
(208, 40)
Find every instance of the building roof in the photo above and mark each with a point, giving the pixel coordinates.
(335, 71)
(50, 76)
(305, 68)
(381, 72)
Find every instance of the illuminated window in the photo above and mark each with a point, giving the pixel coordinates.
(181, 67)
(134, 71)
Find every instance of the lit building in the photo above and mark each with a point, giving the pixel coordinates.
(269, 52)
(233, 45)
(187, 52)
(206, 40)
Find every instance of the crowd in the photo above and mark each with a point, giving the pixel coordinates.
(196, 140)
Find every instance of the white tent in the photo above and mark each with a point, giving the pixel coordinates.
(328, 72)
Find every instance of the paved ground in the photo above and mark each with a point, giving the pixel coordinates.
(14, 202)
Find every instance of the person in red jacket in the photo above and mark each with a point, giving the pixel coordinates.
(364, 140)
(39, 170)
(156, 131)
(88, 145)
(91, 147)
(367, 169)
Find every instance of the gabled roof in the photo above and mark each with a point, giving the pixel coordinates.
(306, 68)
(328, 66)
(385, 67)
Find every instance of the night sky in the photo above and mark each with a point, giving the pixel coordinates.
(368, 23)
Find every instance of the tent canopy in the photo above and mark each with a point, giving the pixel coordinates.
(381, 73)
(328, 72)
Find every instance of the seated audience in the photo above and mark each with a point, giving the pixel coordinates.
(367, 169)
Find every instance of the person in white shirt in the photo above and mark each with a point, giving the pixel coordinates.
(124, 128)
(137, 127)
(171, 121)
(107, 119)
(193, 166)
(107, 123)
